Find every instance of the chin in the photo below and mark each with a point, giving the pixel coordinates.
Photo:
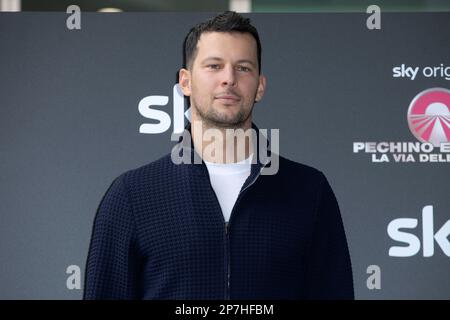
(232, 122)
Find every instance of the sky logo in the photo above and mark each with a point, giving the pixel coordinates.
(413, 242)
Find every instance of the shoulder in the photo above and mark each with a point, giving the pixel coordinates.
(298, 170)
(158, 171)
(295, 178)
(135, 184)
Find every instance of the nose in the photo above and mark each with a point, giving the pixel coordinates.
(228, 76)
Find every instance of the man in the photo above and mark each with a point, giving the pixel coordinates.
(219, 228)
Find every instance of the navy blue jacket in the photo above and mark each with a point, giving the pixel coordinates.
(159, 233)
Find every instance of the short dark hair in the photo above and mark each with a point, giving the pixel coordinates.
(228, 21)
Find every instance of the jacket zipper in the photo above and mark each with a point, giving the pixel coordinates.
(227, 236)
(227, 263)
(226, 250)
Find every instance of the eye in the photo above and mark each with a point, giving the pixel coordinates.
(243, 68)
(213, 66)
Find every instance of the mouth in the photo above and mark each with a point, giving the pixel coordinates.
(227, 98)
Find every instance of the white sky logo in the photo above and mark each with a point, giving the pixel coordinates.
(429, 116)
(396, 230)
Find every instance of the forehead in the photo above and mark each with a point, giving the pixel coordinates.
(227, 44)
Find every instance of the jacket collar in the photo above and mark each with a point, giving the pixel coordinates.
(198, 167)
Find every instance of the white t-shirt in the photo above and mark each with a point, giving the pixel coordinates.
(227, 180)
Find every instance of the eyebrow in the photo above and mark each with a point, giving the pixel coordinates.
(220, 59)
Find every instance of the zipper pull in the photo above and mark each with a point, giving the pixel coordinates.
(226, 227)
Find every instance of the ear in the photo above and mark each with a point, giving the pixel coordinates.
(261, 88)
(184, 79)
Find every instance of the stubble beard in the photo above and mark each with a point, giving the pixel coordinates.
(211, 118)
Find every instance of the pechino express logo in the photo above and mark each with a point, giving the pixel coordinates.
(428, 118)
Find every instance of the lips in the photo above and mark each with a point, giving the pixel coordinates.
(228, 98)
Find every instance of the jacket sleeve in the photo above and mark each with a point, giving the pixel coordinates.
(329, 270)
(112, 263)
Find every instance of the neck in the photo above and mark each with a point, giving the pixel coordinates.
(222, 144)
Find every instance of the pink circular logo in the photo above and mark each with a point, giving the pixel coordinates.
(429, 116)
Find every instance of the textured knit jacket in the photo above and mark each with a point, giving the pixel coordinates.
(159, 233)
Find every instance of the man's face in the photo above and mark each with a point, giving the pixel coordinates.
(223, 81)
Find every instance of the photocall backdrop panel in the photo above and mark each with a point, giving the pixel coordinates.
(345, 98)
